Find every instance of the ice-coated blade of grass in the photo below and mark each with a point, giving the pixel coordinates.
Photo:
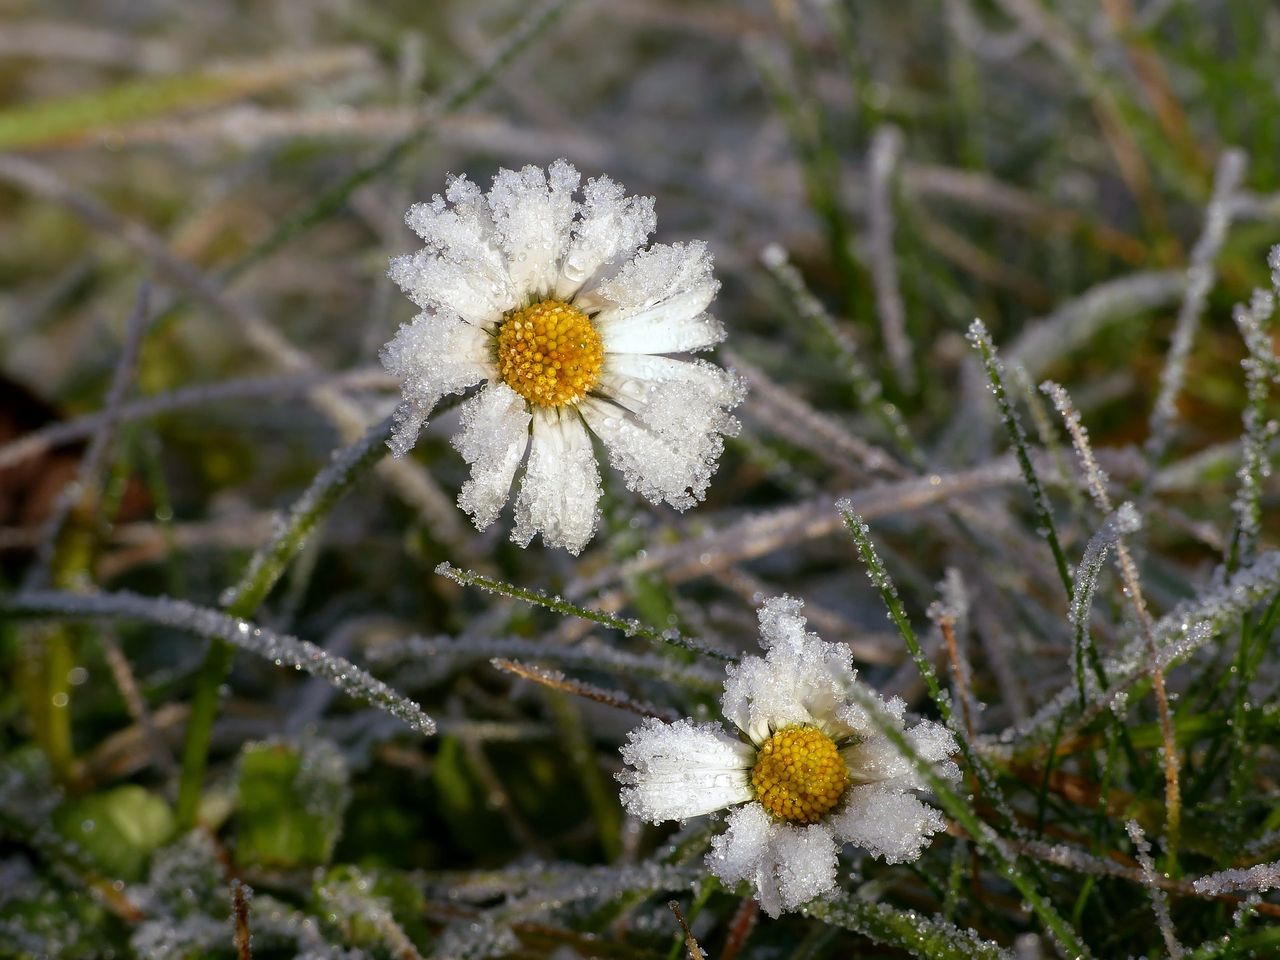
(37, 442)
(960, 809)
(915, 933)
(1200, 277)
(886, 151)
(1159, 900)
(1260, 368)
(1124, 520)
(1073, 324)
(281, 649)
(63, 121)
(1178, 634)
(628, 628)
(1096, 481)
(598, 656)
(556, 680)
(981, 340)
(1263, 877)
(348, 466)
(866, 388)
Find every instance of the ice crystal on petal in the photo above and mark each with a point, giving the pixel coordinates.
(532, 214)
(612, 225)
(656, 303)
(888, 822)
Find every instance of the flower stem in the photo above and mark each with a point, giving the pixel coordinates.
(243, 599)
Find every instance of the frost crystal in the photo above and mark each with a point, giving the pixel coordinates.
(784, 841)
(520, 289)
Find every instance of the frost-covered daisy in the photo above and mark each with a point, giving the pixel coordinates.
(551, 303)
(809, 771)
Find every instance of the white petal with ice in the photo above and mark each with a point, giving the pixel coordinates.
(612, 225)
(432, 355)
(561, 486)
(494, 435)
(886, 821)
(656, 303)
(682, 769)
(533, 215)
(786, 864)
(800, 680)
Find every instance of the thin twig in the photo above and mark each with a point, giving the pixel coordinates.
(690, 944)
(580, 688)
(240, 912)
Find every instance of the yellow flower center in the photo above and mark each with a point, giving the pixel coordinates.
(550, 353)
(799, 775)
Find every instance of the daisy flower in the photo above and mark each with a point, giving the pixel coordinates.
(808, 772)
(551, 303)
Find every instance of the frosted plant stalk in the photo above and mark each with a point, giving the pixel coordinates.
(1097, 484)
(811, 773)
(280, 648)
(981, 341)
(554, 307)
(1263, 877)
(1200, 277)
(1159, 900)
(886, 151)
(1260, 368)
(1123, 521)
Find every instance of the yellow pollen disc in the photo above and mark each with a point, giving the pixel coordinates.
(799, 775)
(549, 353)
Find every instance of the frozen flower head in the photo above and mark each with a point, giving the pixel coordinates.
(550, 303)
(809, 771)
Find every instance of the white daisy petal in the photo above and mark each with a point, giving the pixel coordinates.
(805, 863)
(661, 468)
(630, 371)
(612, 225)
(800, 680)
(682, 769)
(656, 303)
(494, 435)
(533, 214)
(886, 821)
(436, 283)
(742, 853)
(786, 864)
(432, 355)
(561, 486)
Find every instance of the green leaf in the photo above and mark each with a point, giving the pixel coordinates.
(117, 829)
(291, 802)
